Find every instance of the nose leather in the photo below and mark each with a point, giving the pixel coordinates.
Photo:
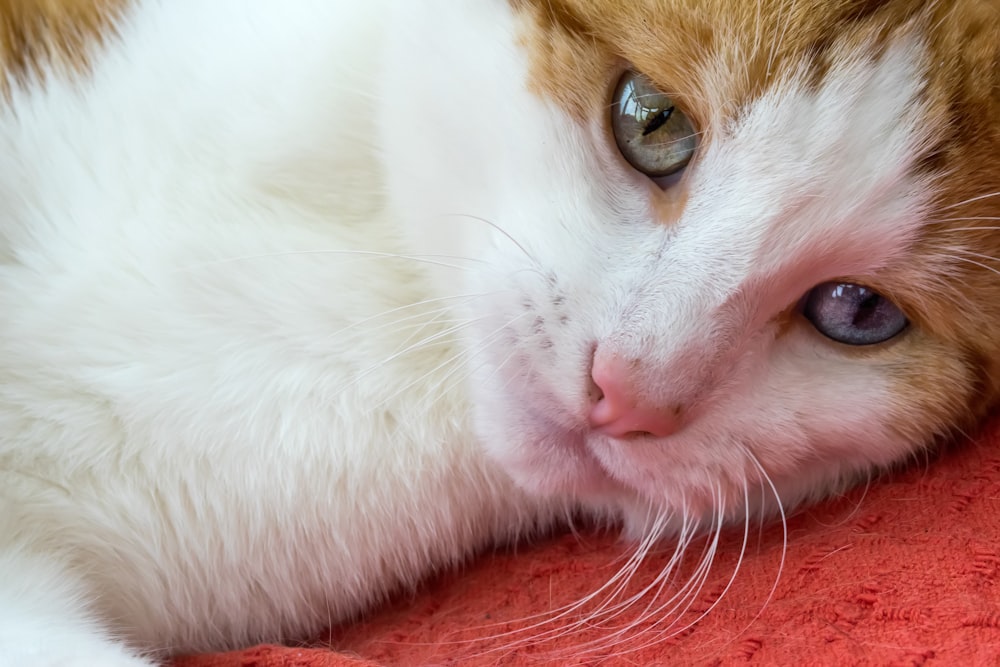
(621, 411)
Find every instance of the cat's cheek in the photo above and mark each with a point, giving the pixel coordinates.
(541, 458)
(935, 388)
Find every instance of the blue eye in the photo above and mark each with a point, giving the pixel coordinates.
(853, 314)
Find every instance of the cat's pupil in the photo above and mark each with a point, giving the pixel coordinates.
(867, 309)
(659, 121)
(853, 314)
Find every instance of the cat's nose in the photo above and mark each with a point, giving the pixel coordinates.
(620, 409)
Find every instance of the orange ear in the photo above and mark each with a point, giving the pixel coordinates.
(57, 33)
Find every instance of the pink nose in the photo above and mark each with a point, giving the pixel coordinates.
(620, 411)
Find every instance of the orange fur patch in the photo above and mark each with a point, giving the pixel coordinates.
(58, 34)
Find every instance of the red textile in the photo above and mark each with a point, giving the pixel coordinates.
(905, 573)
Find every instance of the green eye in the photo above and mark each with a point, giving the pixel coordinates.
(651, 132)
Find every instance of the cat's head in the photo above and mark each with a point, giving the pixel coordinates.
(713, 240)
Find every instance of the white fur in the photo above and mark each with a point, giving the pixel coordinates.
(217, 428)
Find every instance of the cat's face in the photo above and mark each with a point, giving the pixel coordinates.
(713, 239)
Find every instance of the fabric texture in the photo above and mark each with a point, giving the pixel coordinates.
(904, 572)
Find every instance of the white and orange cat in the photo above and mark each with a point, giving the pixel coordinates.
(302, 300)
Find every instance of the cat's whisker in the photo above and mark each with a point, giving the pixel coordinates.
(659, 583)
(358, 255)
(688, 532)
(780, 506)
(452, 359)
(779, 37)
(702, 572)
(671, 142)
(670, 611)
(408, 306)
(971, 200)
(550, 617)
(968, 218)
(616, 584)
(642, 552)
(434, 321)
(698, 579)
(441, 336)
(500, 229)
(418, 325)
(469, 372)
(978, 255)
(979, 264)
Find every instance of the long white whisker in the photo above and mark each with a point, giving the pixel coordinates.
(972, 199)
(987, 228)
(544, 618)
(662, 579)
(416, 304)
(979, 264)
(979, 255)
(616, 584)
(356, 254)
(443, 336)
(446, 334)
(784, 531)
(499, 229)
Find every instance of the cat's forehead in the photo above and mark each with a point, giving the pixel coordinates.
(716, 55)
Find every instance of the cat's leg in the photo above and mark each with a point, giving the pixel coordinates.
(44, 620)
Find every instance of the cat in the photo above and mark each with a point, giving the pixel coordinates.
(304, 300)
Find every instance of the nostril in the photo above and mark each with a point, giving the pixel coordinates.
(594, 392)
(618, 407)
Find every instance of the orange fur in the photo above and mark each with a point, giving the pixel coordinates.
(35, 34)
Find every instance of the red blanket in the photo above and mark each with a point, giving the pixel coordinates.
(902, 573)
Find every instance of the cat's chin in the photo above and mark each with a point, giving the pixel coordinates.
(574, 474)
(559, 464)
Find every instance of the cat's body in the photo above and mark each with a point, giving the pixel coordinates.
(222, 417)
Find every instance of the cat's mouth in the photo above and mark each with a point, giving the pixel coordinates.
(560, 462)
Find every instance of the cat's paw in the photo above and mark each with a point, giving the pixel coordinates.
(44, 620)
(73, 653)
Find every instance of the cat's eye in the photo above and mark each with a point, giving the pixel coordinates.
(653, 135)
(853, 314)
